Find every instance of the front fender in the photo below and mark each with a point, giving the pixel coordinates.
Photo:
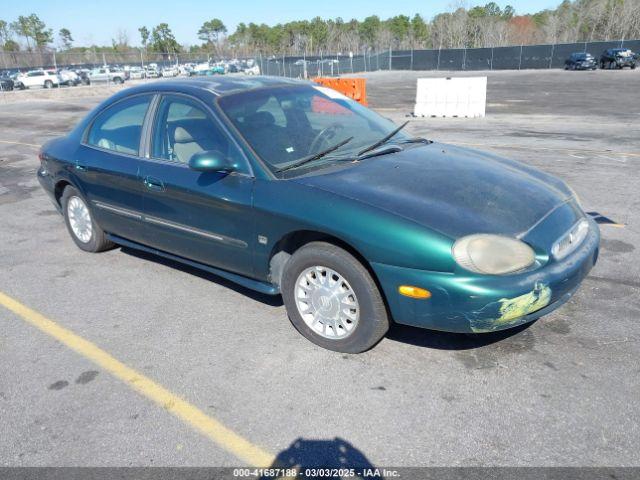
(282, 207)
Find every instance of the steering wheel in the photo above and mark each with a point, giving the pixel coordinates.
(324, 135)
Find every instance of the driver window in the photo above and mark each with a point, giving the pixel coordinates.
(182, 129)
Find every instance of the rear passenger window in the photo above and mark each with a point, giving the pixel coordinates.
(119, 127)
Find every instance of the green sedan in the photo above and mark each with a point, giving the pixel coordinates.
(292, 189)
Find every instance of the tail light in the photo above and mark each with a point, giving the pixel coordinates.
(43, 163)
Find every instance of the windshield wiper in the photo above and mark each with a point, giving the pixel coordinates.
(380, 151)
(383, 140)
(315, 156)
(416, 140)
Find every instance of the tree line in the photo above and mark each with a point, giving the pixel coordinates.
(479, 26)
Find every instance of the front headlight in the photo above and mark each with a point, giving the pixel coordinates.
(492, 254)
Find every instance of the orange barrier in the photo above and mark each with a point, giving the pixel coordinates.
(355, 88)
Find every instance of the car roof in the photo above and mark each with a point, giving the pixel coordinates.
(218, 85)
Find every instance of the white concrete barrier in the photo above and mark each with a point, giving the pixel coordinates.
(451, 97)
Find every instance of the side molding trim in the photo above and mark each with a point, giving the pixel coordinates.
(234, 242)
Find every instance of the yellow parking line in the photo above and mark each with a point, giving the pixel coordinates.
(198, 420)
(20, 143)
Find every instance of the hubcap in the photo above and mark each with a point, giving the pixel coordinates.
(79, 219)
(327, 303)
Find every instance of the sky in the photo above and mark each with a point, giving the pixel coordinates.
(98, 22)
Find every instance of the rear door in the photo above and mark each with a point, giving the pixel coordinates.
(202, 216)
(34, 79)
(108, 166)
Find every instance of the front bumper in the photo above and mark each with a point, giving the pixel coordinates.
(483, 303)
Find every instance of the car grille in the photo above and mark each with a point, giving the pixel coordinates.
(570, 240)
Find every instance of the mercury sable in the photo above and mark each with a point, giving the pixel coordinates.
(290, 188)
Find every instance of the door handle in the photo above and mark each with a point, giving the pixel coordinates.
(81, 168)
(154, 184)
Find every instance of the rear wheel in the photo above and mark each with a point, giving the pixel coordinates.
(332, 299)
(117, 80)
(48, 84)
(84, 231)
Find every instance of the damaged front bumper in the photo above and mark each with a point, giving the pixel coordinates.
(484, 303)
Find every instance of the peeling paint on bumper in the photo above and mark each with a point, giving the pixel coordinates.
(481, 303)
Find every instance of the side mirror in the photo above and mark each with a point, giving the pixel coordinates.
(210, 161)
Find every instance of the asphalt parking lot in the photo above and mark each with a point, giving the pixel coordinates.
(563, 391)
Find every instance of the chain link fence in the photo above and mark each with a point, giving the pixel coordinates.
(460, 59)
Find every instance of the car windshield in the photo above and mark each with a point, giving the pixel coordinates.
(286, 124)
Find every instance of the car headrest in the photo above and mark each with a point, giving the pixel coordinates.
(190, 132)
(260, 120)
(180, 135)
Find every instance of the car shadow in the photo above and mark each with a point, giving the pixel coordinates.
(271, 300)
(336, 453)
(399, 333)
(448, 340)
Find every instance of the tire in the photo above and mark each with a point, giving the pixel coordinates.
(633, 66)
(97, 240)
(367, 321)
(48, 84)
(118, 80)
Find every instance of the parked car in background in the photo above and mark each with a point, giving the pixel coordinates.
(37, 78)
(250, 68)
(137, 73)
(107, 74)
(200, 69)
(152, 72)
(6, 83)
(170, 71)
(185, 69)
(580, 61)
(313, 196)
(206, 69)
(69, 78)
(83, 75)
(618, 58)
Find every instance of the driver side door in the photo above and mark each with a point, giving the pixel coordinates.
(202, 216)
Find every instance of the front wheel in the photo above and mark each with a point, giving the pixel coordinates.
(48, 84)
(84, 231)
(332, 300)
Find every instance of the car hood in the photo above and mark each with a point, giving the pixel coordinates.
(455, 191)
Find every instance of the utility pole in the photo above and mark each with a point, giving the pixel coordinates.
(520, 62)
